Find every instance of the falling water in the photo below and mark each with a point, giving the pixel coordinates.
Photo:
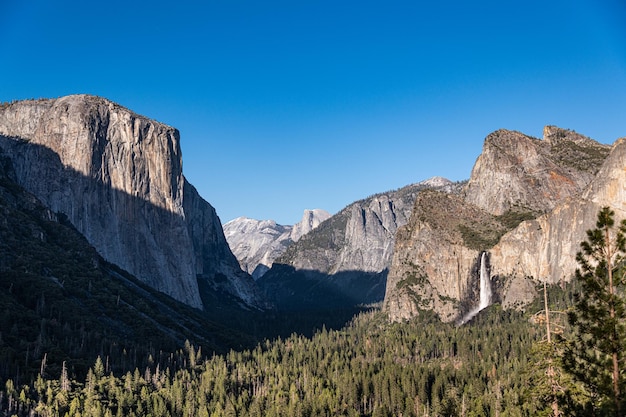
(485, 284)
(485, 290)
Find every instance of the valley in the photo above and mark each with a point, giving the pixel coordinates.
(123, 294)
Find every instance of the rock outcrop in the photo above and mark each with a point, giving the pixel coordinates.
(516, 172)
(257, 243)
(545, 248)
(516, 179)
(350, 253)
(310, 220)
(118, 178)
(360, 237)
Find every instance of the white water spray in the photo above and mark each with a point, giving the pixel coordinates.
(485, 284)
(485, 290)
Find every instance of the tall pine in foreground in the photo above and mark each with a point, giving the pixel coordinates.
(547, 383)
(595, 355)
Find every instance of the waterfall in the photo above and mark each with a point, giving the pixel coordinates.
(485, 284)
(485, 290)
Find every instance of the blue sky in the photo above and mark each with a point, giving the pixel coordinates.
(287, 105)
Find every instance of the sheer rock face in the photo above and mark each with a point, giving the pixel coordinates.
(431, 267)
(257, 243)
(434, 263)
(518, 172)
(361, 237)
(349, 254)
(566, 176)
(310, 220)
(545, 248)
(118, 177)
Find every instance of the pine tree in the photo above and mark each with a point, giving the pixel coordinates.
(98, 368)
(595, 356)
(547, 382)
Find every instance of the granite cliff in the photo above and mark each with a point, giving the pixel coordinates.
(545, 248)
(60, 297)
(309, 221)
(345, 260)
(436, 256)
(256, 243)
(516, 172)
(515, 179)
(117, 176)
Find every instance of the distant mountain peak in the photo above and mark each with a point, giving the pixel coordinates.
(257, 243)
(310, 220)
(435, 182)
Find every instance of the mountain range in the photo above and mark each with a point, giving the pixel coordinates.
(420, 247)
(257, 243)
(345, 261)
(97, 216)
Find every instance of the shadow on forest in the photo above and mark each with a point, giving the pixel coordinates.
(319, 299)
(309, 290)
(63, 300)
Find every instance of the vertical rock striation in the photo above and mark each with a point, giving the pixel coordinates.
(118, 177)
(310, 220)
(434, 261)
(545, 248)
(515, 179)
(361, 237)
(349, 254)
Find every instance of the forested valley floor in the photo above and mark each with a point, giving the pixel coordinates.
(368, 368)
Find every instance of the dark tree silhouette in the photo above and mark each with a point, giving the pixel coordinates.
(595, 355)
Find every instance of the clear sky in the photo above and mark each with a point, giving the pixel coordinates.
(287, 105)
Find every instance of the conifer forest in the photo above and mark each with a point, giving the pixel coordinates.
(368, 368)
(534, 362)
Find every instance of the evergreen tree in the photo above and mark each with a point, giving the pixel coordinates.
(544, 368)
(595, 356)
(98, 368)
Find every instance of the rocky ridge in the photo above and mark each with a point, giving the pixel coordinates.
(515, 179)
(545, 248)
(349, 253)
(256, 243)
(118, 178)
(516, 172)
(361, 236)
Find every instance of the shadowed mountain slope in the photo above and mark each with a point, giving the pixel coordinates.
(61, 300)
(117, 176)
(344, 261)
